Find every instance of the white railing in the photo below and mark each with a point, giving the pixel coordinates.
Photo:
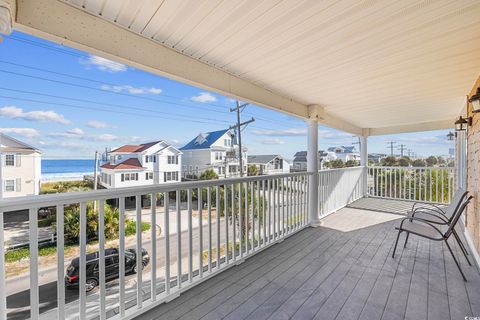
(339, 187)
(429, 184)
(197, 230)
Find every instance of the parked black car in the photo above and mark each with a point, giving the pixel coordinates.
(111, 267)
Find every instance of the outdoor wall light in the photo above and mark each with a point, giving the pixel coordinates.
(475, 101)
(462, 123)
(450, 136)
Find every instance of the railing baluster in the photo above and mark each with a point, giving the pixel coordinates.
(153, 239)
(274, 191)
(264, 224)
(179, 239)
(200, 232)
(138, 229)
(252, 213)
(166, 225)
(436, 185)
(190, 235)
(415, 185)
(121, 234)
(259, 203)
(60, 261)
(101, 256)
(449, 188)
(82, 261)
(234, 225)
(283, 207)
(209, 208)
(269, 182)
(443, 187)
(218, 211)
(240, 216)
(226, 217)
(34, 298)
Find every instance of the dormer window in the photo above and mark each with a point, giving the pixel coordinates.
(227, 142)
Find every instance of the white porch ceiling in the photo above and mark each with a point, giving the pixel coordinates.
(370, 64)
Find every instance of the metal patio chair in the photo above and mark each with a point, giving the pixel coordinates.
(441, 215)
(432, 231)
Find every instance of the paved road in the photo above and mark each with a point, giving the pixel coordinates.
(18, 303)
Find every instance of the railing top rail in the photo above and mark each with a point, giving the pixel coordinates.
(340, 169)
(47, 200)
(398, 167)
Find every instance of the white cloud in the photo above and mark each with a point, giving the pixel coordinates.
(272, 141)
(40, 115)
(24, 132)
(131, 89)
(282, 133)
(104, 64)
(101, 137)
(76, 132)
(204, 97)
(96, 124)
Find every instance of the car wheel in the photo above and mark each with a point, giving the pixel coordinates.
(90, 284)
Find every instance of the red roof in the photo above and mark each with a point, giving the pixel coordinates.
(135, 148)
(131, 163)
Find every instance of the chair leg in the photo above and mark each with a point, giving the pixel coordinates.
(396, 242)
(406, 239)
(455, 259)
(464, 250)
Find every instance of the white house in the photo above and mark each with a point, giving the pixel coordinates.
(136, 165)
(215, 150)
(20, 169)
(345, 153)
(269, 164)
(300, 159)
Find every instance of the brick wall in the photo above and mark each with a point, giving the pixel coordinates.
(473, 173)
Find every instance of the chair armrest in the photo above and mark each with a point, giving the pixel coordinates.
(431, 213)
(427, 205)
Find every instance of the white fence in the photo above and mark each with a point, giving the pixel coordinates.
(432, 184)
(339, 187)
(205, 228)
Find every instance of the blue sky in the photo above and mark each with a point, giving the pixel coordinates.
(101, 103)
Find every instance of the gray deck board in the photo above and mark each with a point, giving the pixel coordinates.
(342, 270)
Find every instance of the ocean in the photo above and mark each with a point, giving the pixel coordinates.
(66, 169)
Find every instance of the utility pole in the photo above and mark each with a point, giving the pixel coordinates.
(391, 145)
(239, 108)
(1, 170)
(402, 147)
(95, 173)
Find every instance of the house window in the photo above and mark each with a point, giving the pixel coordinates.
(171, 176)
(10, 185)
(133, 176)
(191, 168)
(109, 179)
(148, 175)
(227, 142)
(127, 176)
(151, 158)
(9, 160)
(218, 155)
(172, 159)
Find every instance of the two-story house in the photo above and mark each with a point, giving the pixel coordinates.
(20, 168)
(144, 164)
(269, 164)
(300, 160)
(217, 150)
(346, 153)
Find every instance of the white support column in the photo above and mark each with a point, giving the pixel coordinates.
(364, 162)
(312, 164)
(461, 158)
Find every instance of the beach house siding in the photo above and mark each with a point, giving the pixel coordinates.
(21, 168)
(472, 218)
(149, 166)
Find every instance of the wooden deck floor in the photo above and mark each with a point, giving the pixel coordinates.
(342, 270)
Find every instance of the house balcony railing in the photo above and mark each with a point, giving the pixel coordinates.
(428, 184)
(198, 229)
(216, 224)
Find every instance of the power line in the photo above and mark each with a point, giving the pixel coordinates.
(391, 145)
